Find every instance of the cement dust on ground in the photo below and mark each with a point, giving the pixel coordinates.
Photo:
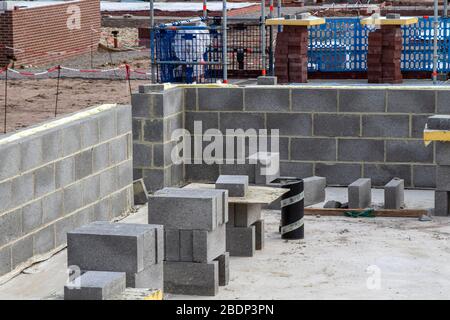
(33, 101)
(340, 258)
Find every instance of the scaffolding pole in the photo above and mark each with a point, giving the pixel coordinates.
(435, 42)
(271, 66)
(224, 42)
(263, 37)
(445, 8)
(205, 11)
(152, 41)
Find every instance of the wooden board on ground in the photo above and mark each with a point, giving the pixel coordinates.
(255, 194)
(139, 294)
(396, 213)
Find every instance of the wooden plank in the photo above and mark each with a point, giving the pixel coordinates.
(311, 21)
(402, 21)
(400, 213)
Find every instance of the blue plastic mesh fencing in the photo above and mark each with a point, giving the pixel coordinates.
(182, 55)
(340, 45)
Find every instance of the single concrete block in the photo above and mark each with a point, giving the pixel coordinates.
(336, 125)
(246, 214)
(172, 247)
(443, 178)
(91, 189)
(191, 278)
(10, 226)
(151, 277)
(237, 186)
(123, 119)
(107, 125)
(108, 182)
(65, 172)
(118, 149)
(44, 240)
(439, 122)
(89, 132)
(21, 251)
(187, 244)
(207, 245)
(95, 285)
(267, 80)
(394, 194)
(5, 260)
(443, 153)
(441, 203)
(103, 246)
(224, 268)
(61, 228)
(73, 197)
(71, 138)
(31, 152)
(259, 234)
(140, 192)
(6, 195)
(44, 180)
(9, 160)
(183, 210)
(32, 216)
(314, 190)
(359, 193)
(22, 190)
(241, 241)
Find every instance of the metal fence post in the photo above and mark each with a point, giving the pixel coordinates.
(152, 41)
(224, 42)
(263, 37)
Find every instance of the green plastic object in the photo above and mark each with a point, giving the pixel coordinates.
(368, 213)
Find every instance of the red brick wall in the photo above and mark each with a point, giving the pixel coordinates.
(38, 31)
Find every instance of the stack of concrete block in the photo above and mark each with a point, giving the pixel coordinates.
(136, 249)
(245, 228)
(394, 194)
(291, 54)
(360, 193)
(196, 261)
(96, 285)
(442, 192)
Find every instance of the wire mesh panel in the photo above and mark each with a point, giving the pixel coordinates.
(188, 55)
(339, 45)
(418, 43)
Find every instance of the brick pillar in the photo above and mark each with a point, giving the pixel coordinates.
(291, 54)
(383, 59)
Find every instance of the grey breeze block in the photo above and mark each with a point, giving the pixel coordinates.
(237, 186)
(394, 194)
(359, 193)
(220, 195)
(191, 278)
(244, 214)
(439, 122)
(241, 241)
(120, 247)
(194, 245)
(185, 209)
(95, 285)
(441, 203)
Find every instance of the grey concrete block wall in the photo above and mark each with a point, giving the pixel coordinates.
(340, 133)
(59, 175)
(155, 115)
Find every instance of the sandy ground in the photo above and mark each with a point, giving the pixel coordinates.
(340, 258)
(33, 101)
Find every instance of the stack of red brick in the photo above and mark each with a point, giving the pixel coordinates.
(291, 54)
(383, 59)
